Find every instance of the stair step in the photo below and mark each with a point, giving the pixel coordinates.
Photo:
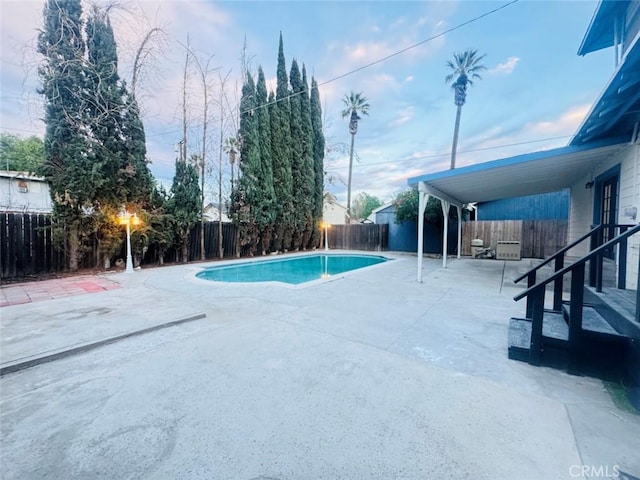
(554, 333)
(554, 326)
(519, 339)
(593, 322)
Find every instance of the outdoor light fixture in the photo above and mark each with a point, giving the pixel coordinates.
(128, 219)
(325, 225)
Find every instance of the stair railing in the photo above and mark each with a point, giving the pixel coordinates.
(595, 235)
(535, 299)
(558, 259)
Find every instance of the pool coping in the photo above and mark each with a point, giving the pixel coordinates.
(192, 277)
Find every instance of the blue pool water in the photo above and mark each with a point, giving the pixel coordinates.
(294, 270)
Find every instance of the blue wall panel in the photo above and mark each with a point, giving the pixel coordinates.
(545, 206)
(403, 237)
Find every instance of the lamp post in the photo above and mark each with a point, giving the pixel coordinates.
(127, 218)
(326, 235)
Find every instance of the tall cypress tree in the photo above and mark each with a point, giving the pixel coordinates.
(265, 209)
(105, 104)
(183, 205)
(69, 166)
(245, 210)
(135, 176)
(295, 125)
(281, 140)
(318, 161)
(104, 114)
(301, 160)
(117, 135)
(115, 122)
(307, 155)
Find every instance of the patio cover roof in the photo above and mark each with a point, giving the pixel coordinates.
(528, 174)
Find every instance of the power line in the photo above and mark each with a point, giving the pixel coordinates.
(375, 62)
(436, 155)
(391, 55)
(415, 45)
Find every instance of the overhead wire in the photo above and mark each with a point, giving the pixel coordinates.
(368, 65)
(436, 155)
(391, 55)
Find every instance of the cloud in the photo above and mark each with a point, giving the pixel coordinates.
(566, 124)
(505, 68)
(403, 116)
(363, 53)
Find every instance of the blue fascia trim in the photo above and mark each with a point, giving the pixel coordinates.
(629, 66)
(599, 34)
(518, 159)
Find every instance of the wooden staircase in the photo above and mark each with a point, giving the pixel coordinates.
(597, 331)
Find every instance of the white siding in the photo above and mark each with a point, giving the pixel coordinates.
(333, 213)
(580, 215)
(581, 206)
(630, 199)
(14, 198)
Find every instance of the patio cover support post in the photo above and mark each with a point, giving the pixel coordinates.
(423, 198)
(424, 192)
(459, 208)
(445, 236)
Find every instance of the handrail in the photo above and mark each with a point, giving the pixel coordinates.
(560, 252)
(583, 260)
(569, 247)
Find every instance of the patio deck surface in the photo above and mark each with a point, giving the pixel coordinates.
(370, 376)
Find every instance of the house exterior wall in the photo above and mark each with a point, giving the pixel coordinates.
(333, 213)
(13, 198)
(581, 209)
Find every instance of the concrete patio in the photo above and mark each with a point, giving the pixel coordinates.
(370, 376)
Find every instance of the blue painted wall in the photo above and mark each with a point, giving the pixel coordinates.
(545, 206)
(403, 237)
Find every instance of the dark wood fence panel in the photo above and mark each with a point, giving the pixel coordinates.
(538, 238)
(27, 248)
(211, 242)
(543, 238)
(364, 236)
(26, 245)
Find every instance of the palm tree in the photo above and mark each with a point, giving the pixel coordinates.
(230, 147)
(354, 103)
(465, 67)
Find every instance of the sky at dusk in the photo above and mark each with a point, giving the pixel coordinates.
(533, 96)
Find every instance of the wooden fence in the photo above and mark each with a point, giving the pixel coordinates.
(362, 236)
(538, 238)
(27, 247)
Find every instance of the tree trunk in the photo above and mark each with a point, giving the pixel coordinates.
(185, 252)
(454, 146)
(74, 247)
(348, 219)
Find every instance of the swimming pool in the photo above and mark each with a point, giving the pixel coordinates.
(294, 270)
